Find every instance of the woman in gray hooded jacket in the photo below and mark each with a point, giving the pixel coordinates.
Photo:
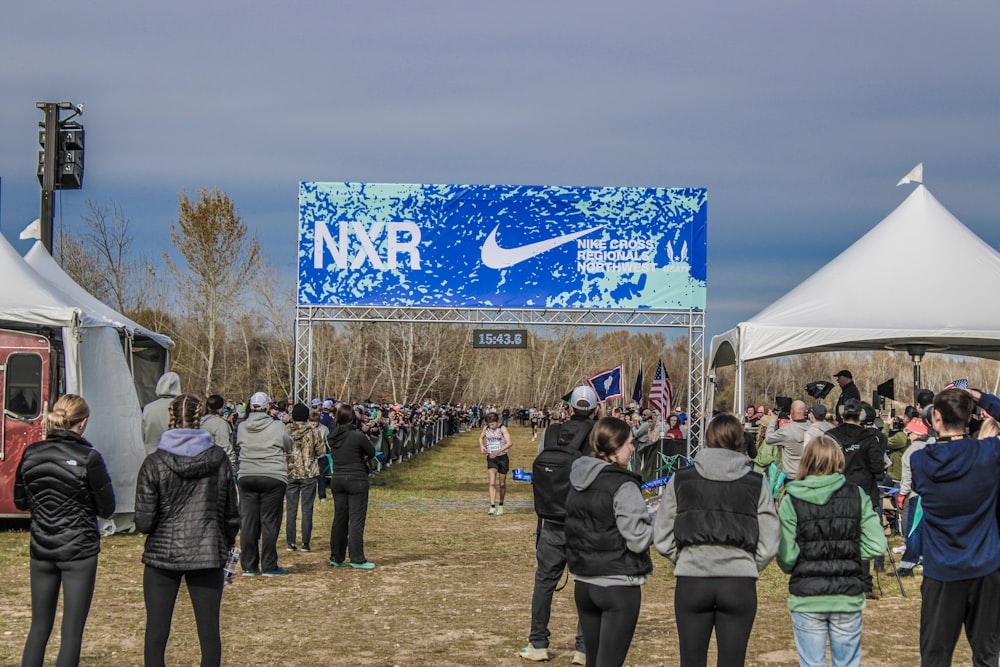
(608, 533)
(717, 523)
(263, 475)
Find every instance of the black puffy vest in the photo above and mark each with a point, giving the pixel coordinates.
(594, 546)
(829, 539)
(717, 512)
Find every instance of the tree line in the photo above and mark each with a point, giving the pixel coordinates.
(231, 313)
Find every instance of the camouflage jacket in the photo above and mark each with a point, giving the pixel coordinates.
(307, 447)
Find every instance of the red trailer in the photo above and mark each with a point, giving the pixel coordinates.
(26, 383)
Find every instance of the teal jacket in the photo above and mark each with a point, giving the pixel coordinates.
(817, 490)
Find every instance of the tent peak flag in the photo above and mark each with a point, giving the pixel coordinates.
(916, 175)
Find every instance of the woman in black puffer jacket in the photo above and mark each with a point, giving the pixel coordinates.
(65, 484)
(186, 502)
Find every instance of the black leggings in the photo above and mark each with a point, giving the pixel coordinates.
(159, 588)
(77, 580)
(728, 604)
(608, 615)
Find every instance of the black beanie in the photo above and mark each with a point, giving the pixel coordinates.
(300, 413)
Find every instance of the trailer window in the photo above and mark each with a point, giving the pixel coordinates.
(23, 389)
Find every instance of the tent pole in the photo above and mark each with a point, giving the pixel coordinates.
(738, 398)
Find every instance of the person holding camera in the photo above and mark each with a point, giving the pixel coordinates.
(956, 478)
(790, 437)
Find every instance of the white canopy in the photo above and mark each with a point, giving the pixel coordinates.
(94, 340)
(951, 272)
(42, 262)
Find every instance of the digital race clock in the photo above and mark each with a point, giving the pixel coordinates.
(500, 338)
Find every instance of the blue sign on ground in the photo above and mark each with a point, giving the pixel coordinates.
(509, 246)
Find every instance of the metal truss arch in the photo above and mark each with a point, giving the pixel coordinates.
(691, 320)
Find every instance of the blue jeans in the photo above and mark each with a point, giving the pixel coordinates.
(844, 630)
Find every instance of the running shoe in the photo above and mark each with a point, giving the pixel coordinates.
(367, 565)
(280, 572)
(529, 652)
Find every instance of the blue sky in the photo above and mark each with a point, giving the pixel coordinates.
(798, 117)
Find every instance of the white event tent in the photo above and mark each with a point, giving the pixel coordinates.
(98, 351)
(948, 270)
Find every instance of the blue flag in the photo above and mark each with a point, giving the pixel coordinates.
(607, 384)
(637, 390)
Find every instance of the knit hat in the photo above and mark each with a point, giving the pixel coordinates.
(300, 413)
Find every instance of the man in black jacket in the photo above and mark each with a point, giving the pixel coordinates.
(848, 390)
(864, 462)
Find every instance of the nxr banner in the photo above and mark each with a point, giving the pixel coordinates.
(509, 246)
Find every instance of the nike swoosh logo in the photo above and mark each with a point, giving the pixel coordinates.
(496, 257)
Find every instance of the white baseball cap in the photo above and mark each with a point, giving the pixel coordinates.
(584, 398)
(260, 400)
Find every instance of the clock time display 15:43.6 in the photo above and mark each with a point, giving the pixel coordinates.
(500, 338)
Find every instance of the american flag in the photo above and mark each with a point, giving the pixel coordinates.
(661, 394)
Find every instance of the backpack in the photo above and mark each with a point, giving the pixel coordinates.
(550, 473)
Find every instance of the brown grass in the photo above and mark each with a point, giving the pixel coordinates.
(452, 587)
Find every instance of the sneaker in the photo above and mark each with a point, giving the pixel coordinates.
(280, 572)
(291, 547)
(493, 511)
(529, 652)
(871, 595)
(905, 571)
(579, 658)
(367, 565)
(334, 563)
(305, 549)
(251, 573)
(499, 510)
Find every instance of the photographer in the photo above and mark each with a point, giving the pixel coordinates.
(790, 437)
(956, 478)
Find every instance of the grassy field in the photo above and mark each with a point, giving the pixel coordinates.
(452, 587)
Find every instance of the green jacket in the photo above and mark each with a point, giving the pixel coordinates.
(898, 442)
(766, 455)
(817, 490)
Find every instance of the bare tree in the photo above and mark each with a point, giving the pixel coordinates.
(218, 256)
